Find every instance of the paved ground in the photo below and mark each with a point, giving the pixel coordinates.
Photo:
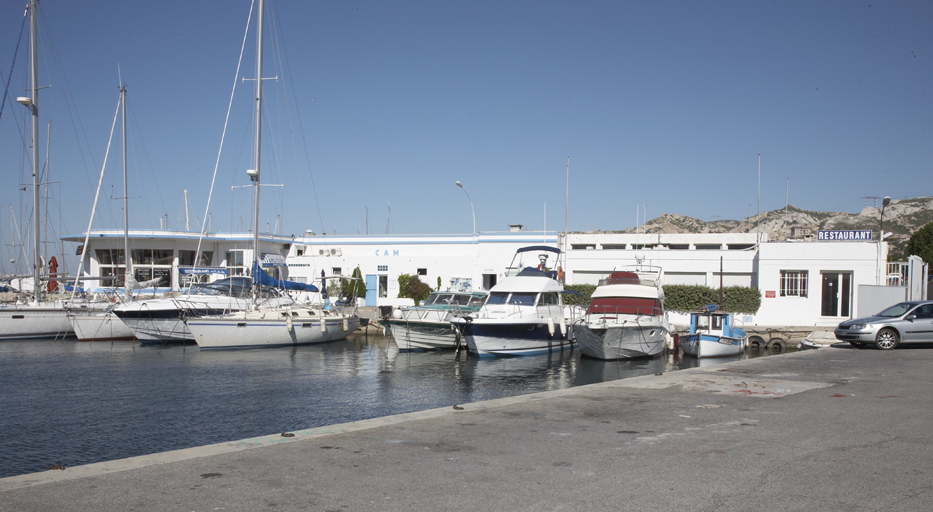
(827, 429)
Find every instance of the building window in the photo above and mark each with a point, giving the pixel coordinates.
(793, 283)
(236, 265)
(383, 286)
(422, 271)
(186, 258)
(382, 268)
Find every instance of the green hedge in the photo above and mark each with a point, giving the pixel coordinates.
(686, 298)
(586, 290)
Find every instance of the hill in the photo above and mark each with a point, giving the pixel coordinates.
(901, 218)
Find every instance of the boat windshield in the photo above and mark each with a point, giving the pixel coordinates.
(496, 298)
(461, 299)
(523, 298)
(439, 299)
(234, 287)
(550, 298)
(445, 299)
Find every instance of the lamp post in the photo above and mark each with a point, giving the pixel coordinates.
(882, 268)
(473, 212)
(475, 247)
(884, 202)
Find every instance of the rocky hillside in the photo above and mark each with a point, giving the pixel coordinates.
(901, 218)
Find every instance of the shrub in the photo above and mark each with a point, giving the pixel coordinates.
(585, 291)
(412, 287)
(736, 299)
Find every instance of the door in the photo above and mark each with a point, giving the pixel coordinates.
(919, 329)
(371, 289)
(836, 294)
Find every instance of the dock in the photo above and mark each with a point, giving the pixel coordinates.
(834, 428)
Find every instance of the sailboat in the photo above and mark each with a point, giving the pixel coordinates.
(37, 318)
(286, 325)
(105, 325)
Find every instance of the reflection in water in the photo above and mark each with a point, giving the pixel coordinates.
(90, 402)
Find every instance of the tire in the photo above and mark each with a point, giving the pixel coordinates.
(887, 339)
(756, 342)
(777, 345)
(857, 344)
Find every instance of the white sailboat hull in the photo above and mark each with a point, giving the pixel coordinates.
(160, 320)
(31, 322)
(100, 327)
(272, 328)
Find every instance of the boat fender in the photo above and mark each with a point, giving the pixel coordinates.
(323, 324)
(346, 325)
(397, 313)
(563, 327)
(288, 322)
(550, 326)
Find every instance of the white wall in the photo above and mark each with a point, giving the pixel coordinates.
(443, 256)
(862, 259)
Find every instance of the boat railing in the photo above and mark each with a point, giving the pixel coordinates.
(624, 310)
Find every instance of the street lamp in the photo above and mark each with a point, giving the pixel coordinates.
(471, 206)
(884, 202)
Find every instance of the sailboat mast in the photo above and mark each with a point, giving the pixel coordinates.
(34, 71)
(256, 151)
(128, 266)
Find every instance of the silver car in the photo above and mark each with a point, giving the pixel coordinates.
(905, 322)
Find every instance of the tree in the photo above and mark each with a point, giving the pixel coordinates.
(411, 286)
(353, 287)
(921, 243)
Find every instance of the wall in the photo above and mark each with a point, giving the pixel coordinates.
(864, 260)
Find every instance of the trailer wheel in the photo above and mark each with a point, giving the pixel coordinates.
(756, 342)
(777, 345)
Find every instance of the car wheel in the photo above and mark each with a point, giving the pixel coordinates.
(886, 339)
(857, 344)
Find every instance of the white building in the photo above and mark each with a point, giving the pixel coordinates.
(803, 283)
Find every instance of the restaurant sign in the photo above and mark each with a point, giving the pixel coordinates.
(845, 235)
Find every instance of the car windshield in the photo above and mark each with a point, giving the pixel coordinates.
(895, 310)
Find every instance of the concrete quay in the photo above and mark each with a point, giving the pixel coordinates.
(828, 429)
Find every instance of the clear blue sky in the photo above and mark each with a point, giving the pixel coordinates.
(665, 104)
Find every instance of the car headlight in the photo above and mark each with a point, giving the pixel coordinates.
(858, 327)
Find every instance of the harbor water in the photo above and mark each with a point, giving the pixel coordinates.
(73, 403)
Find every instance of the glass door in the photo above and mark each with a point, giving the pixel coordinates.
(836, 294)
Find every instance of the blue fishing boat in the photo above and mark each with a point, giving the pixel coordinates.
(713, 333)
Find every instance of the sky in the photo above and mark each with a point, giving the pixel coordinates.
(378, 108)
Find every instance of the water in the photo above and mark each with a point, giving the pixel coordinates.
(73, 403)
